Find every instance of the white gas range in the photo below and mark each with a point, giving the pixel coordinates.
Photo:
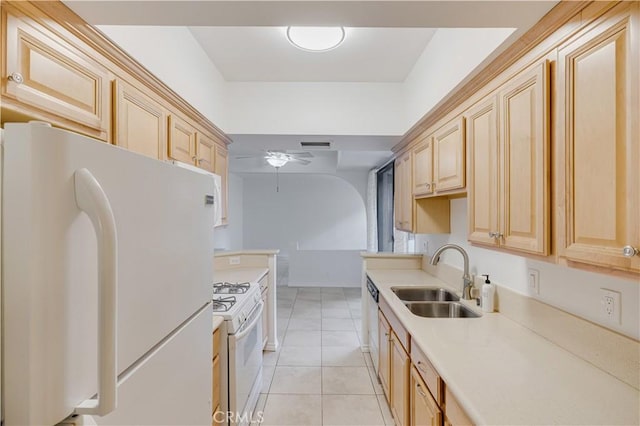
(241, 307)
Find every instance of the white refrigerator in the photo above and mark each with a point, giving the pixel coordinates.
(106, 283)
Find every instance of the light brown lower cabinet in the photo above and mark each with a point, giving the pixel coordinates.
(384, 359)
(216, 380)
(423, 409)
(400, 364)
(454, 413)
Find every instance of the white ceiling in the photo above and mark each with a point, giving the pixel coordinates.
(264, 54)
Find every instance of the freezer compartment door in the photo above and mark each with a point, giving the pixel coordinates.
(173, 386)
(50, 264)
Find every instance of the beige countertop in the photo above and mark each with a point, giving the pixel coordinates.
(240, 275)
(247, 252)
(385, 254)
(503, 373)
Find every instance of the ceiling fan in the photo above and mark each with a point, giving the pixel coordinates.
(278, 159)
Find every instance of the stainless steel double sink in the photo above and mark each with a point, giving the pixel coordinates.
(433, 302)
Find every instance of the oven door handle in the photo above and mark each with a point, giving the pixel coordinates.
(248, 328)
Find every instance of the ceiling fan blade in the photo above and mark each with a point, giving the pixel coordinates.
(301, 161)
(241, 157)
(300, 154)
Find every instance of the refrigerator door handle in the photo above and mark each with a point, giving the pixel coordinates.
(91, 199)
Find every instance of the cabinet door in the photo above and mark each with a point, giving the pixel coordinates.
(384, 354)
(423, 168)
(205, 152)
(216, 384)
(598, 96)
(140, 121)
(449, 156)
(398, 168)
(399, 382)
(424, 409)
(45, 72)
(524, 150)
(222, 168)
(407, 194)
(482, 135)
(182, 140)
(403, 194)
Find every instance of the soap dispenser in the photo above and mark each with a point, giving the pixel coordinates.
(488, 293)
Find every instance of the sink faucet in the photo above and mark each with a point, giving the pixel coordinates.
(467, 282)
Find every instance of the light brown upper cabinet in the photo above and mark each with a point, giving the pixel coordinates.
(484, 203)
(439, 161)
(509, 172)
(598, 134)
(449, 157)
(403, 194)
(140, 121)
(524, 162)
(222, 168)
(45, 72)
(182, 140)
(423, 167)
(205, 152)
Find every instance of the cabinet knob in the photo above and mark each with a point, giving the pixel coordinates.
(629, 251)
(16, 77)
(420, 391)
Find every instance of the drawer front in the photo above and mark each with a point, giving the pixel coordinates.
(396, 325)
(57, 77)
(428, 373)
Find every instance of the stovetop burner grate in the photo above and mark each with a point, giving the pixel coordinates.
(230, 288)
(223, 304)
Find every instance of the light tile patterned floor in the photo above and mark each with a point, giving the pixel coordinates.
(320, 376)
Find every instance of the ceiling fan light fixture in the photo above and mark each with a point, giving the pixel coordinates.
(316, 39)
(277, 161)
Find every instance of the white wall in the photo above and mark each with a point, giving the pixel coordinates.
(230, 237)
(315, 108)
(176, 58)
(449, 57)
(312, 213)
(572, 290)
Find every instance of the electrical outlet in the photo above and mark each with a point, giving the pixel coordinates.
(425, 246)
(533, 278)
(610, 305)
(234, 260)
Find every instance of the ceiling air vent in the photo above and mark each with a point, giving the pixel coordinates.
(315, 145)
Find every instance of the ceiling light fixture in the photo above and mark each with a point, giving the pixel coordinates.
(277, 160)
(316, 39)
